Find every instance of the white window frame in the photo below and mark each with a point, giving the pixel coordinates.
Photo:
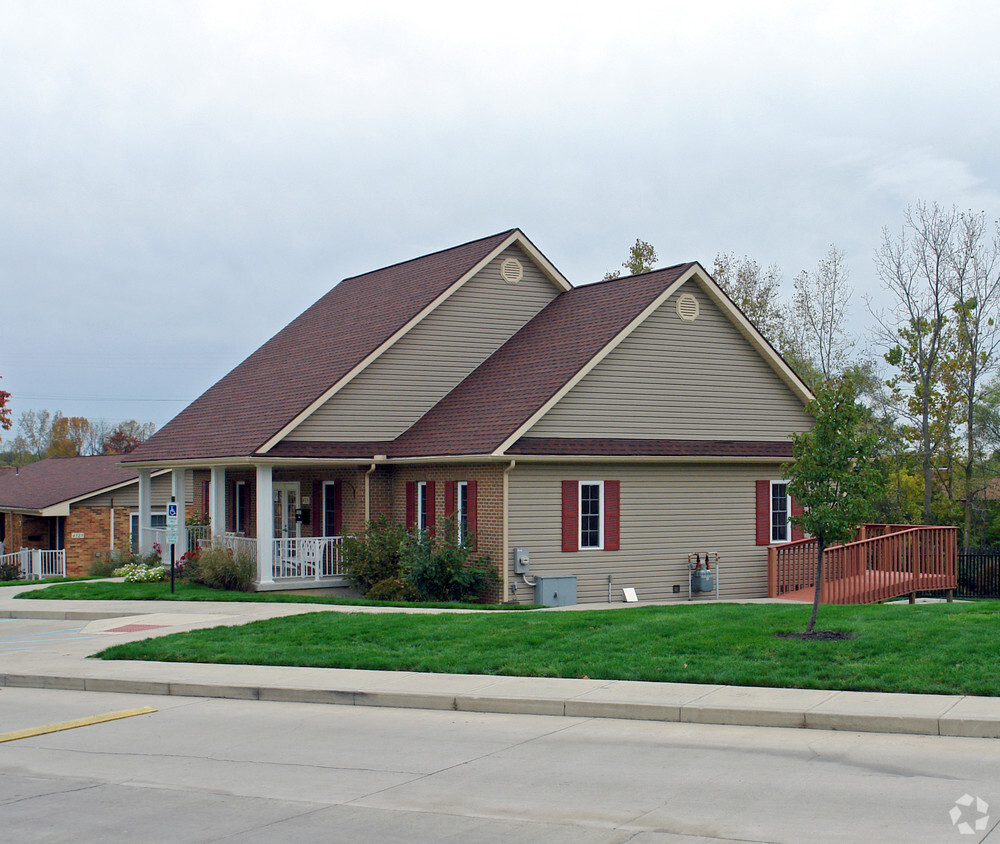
(237, 510)
(421, 505)
(600, 515)
(461, 510)
(788, 510)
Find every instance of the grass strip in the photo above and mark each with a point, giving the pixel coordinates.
(940, 648)
(46, 580)
(105, 591)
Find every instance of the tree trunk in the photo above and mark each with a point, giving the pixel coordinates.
(819, 584)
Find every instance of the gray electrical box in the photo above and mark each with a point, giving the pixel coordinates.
(555, 591)
(521, 560)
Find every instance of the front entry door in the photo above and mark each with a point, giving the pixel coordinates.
(286, 529)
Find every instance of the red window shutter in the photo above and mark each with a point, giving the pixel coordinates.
(473, 513)
(316, 516)
(449, 499)
(206, 487)
(612, 515)
(231, 506)
(570, 516)
(796, 509)
(411, 505)
(763, 512)
(431, 519)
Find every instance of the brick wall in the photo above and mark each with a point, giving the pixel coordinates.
(95, 544)
(489, 499)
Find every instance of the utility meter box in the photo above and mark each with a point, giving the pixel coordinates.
(521, 560)
(555, 591)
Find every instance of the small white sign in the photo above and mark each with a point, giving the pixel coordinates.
(77, 536)
(171, 534)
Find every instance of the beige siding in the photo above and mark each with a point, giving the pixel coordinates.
(419, 370)
(672, 379)
(667, 512)
(128, 496)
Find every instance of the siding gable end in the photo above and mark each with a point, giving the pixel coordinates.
(677, 379)
(424, 365)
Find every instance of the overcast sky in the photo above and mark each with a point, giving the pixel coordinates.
(180, 180)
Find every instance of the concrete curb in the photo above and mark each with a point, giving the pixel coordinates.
(957, 717)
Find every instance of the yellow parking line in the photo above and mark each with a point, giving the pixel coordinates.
(70, 725)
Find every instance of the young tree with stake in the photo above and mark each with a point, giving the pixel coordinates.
(835, 476)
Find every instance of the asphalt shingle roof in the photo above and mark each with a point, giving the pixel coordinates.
(48, 482)
(270, 388)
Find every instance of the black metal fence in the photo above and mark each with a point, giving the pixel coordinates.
(979, 573)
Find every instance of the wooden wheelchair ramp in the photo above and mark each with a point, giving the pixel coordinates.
(889, 561)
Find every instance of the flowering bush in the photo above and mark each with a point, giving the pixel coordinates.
(139, 573)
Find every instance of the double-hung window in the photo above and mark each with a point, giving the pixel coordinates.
(462, 510)
(422, 509)
(591, 514)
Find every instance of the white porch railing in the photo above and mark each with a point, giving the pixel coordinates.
(35, 564)
(198, 536)
(307, 557)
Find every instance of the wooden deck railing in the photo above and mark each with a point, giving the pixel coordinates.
(897, 560)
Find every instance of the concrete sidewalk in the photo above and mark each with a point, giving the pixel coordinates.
(54, 662)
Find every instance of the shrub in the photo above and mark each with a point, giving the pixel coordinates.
(219, 568)
(376, 555)
(392, 589)
(10, 571)
(442, 569)
(119, 559)
(187, 566)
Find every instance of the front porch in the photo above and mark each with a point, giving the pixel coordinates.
(290, 523)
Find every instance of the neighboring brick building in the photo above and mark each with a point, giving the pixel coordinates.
(85, 505)
(611, 429)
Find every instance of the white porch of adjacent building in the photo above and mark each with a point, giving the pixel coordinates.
(284, 559)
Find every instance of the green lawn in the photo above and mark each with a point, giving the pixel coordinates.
(934, 648)
(104, 591)
(46, 580)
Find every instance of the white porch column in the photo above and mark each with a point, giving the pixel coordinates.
(265, 525)
(145, 497)
(217, 502)
(177, 490)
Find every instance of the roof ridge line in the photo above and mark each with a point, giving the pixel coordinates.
(636, 275)
(506, 233)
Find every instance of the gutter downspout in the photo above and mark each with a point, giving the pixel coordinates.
(506, 578)
(368, 509)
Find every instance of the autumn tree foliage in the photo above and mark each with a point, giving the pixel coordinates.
(5, 422)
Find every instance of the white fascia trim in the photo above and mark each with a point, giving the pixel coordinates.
(596, 359)
(756, 339)
(556, 277)
(515, 236)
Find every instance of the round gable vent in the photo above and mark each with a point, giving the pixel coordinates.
(687, 307)
(511, 270)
